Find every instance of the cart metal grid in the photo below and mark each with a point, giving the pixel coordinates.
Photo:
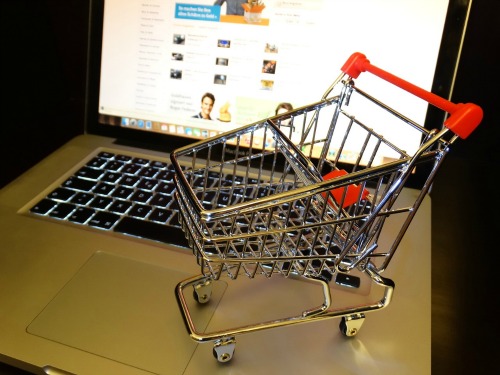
(308, 194)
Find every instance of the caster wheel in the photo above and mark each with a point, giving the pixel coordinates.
(222, 357)
(349, 325)
(343, 326)
(223, 349)
(202, 291)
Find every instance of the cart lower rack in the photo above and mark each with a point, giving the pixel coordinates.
(307, 194)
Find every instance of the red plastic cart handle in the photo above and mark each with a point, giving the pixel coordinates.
(463, 119)
(349, 196)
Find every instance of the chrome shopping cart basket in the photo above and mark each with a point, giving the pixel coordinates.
(306, 194)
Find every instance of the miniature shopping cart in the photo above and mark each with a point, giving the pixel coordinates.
(307, 194)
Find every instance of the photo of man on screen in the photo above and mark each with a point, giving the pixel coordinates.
(207, 104)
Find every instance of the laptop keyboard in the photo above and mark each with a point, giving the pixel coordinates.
(120, 193)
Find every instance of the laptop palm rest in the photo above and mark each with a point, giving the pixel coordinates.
(126, 311)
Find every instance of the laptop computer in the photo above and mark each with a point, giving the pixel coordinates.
(87, 279)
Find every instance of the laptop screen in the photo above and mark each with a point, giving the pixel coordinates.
(175, 72)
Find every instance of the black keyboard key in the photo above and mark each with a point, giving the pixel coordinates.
(236, 179)
(114, 165)
(147, 184)
(97, 162)
(140, 210)
(223, 199)
(158, 164)
(160, 215)
(253, 181)
(120, 206)
(165, 188)
(90, 173)
(104, 220)
(122, 192)
(160, 200)
(103, 189)
(82, 198)
(131, 168)
(129, 180)
(61, 194)
(214, 175)
(44, 206)
(207, 197)
(264, 192)
(348, 280)
(201, 182)
(248, 193)
(149, 172)
(238, 191)
(123, 158)
(81, 215)
(140, 161)
(150, 230)
(100, 202)
(79, 184)
(208, 205)
(62, 210)
(111, 177)
(166, 175)
(141, 196)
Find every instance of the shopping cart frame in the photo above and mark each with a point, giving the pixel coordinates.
(356, 233)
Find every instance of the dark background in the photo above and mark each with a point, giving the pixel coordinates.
(43, 56)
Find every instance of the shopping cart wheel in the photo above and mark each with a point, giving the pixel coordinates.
(224, 349)
(202, 291)
(350, 325)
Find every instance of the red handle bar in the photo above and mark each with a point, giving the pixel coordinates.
(463, 119)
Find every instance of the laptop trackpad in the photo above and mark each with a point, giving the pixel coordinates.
(126, 311)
